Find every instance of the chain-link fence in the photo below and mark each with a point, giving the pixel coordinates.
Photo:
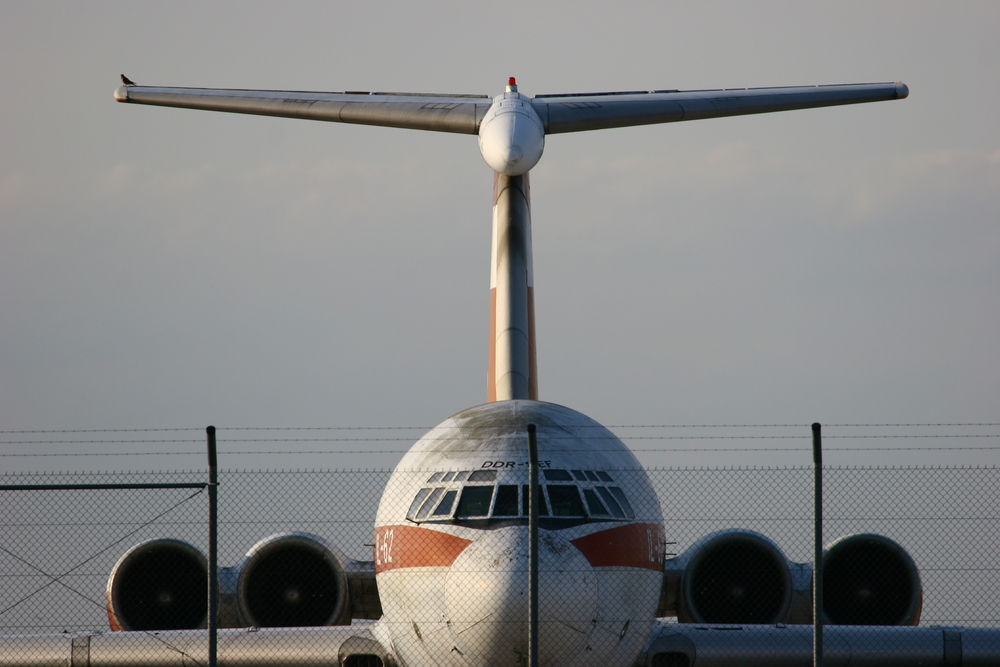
(302, 548)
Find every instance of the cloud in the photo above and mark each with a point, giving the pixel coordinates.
(125, 179)
(113, 182)
(916, 180)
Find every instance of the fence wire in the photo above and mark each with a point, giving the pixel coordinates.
(300, 549)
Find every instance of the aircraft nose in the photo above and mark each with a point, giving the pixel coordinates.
(487, 597)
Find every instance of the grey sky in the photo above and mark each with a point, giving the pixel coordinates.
(173, 268)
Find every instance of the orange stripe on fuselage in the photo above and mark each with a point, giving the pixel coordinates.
(412, 546)
(637, 545)
(633, 545)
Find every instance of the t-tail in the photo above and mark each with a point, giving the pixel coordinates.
(511, 129)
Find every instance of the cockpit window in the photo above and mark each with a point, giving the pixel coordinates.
(429, 504)
(470, 494)
(421, 496)
(506, 502)
(594, 503)
(622, 500)
(542, 509)
(610, 501)
(475, 501)
(444, 508)
(565, 500)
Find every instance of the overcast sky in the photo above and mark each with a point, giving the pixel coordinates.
(165, 268)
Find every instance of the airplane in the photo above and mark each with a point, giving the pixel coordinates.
(448, 581)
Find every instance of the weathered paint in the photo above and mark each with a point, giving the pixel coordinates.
(600, 588)
(512, 372)
(632, 545)
(412, 546)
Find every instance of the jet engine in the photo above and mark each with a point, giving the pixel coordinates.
(293, 579)
(732, 576)
(158, 585)
(289, 579)
(870, 580)
(742, 577)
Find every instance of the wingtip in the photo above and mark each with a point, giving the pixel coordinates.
(902, 90)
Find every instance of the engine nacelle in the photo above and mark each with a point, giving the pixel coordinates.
(293, 579)
(742, 577)
(290, 579)
(733, 576)
(870, 580)
(159, 585)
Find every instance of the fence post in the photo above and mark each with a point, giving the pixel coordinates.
(533, 491)
(817, 546)
(213, 550)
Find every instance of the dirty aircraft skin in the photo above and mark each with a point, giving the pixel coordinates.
(447, 584)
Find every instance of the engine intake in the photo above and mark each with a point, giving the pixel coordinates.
(285, 580)
(735, 576)
(870, 580)
(158, 585)
(293, 579)
(742, 577)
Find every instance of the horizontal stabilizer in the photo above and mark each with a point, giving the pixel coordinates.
(597, 111)
(464, 113)
(443, 113)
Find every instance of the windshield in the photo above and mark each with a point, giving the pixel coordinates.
(579, 494)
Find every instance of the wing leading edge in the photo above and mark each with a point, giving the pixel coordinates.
(442, 113)
(574, 113)
(464, 113)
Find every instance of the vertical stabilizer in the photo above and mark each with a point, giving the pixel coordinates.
(511, 373)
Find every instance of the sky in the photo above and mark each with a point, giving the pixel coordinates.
(170, 269)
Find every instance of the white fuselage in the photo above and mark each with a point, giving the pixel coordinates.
(451, 540)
